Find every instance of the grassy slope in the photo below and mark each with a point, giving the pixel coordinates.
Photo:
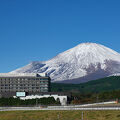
(100, 85)
(59, 115)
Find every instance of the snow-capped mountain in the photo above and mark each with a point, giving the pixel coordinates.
(86, 61)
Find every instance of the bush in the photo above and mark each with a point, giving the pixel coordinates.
(18, 102)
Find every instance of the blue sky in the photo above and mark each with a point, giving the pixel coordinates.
(37, 30)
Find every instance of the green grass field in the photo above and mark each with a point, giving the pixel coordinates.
(59, 115)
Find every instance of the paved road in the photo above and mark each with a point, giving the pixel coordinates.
(57, 108)
(94, 106)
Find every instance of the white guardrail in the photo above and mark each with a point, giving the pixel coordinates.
(83, 105)
(38, 108)
(71, 107)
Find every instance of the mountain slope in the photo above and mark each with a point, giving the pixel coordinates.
(94, 86)
(87, 61)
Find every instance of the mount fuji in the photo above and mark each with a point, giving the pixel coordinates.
(85, 62)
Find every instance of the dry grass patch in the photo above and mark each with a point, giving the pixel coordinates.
(59, 115)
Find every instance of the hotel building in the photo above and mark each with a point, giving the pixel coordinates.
(22, 84)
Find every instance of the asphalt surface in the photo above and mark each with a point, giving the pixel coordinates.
(58, 108)
(94, 106)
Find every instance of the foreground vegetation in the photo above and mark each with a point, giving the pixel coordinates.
(59, 115)
(30, 102)
(78, 98)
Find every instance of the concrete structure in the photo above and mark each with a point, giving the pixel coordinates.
(23, 83)
(62, 97)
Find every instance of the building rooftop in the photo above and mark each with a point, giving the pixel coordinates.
(22, 75)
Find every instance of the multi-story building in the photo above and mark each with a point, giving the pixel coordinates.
(23, 83)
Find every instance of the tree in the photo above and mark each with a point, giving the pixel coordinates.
(58, 101)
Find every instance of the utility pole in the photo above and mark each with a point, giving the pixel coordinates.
(82, 115)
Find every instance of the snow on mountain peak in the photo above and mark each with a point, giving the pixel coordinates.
(87, 53)
(76, 62)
